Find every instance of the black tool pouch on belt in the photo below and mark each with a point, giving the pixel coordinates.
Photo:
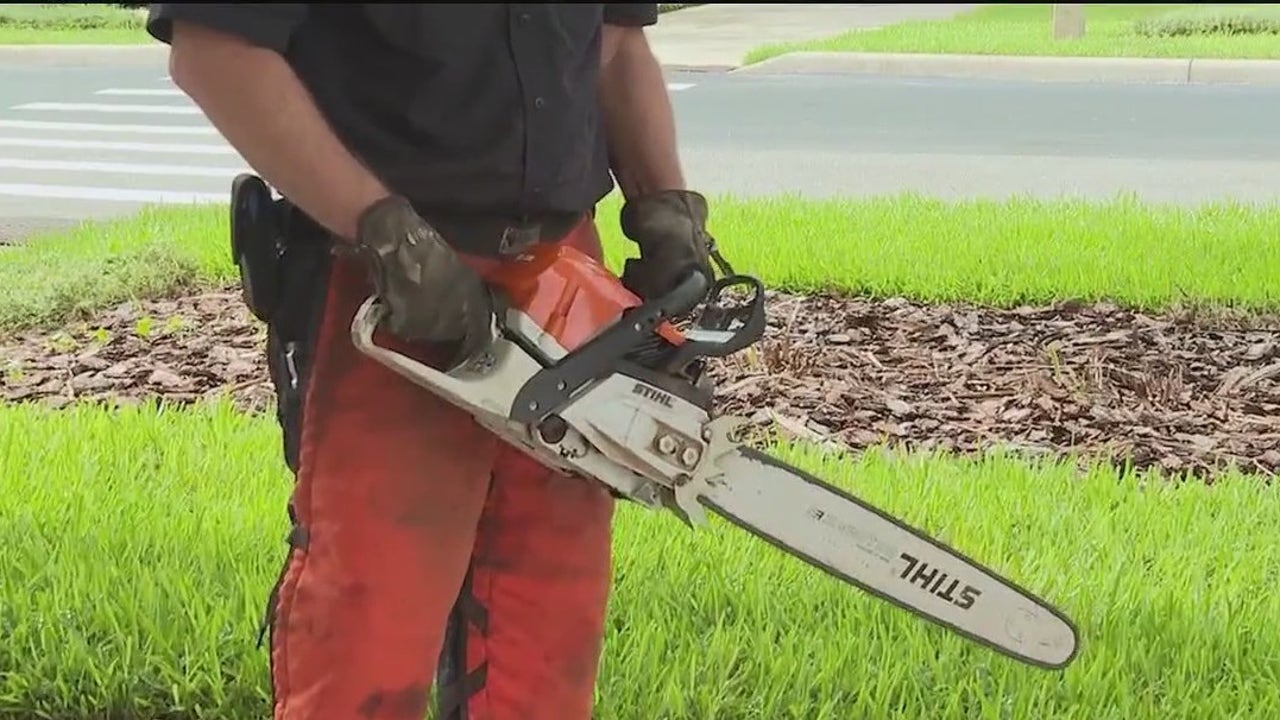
(257, 242)
(283, 257)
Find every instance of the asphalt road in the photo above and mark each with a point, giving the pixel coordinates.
(80, 142)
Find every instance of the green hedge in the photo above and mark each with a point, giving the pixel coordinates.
(66, 16)
(1213, 20)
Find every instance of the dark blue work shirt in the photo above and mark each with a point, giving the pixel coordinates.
(487, 107)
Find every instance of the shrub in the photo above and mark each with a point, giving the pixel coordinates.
(66, 16)
(1213, 20)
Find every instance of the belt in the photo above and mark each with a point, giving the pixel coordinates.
(497, 236)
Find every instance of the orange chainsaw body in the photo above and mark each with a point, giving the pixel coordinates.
(568, 294)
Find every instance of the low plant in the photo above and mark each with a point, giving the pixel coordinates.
(1221, 20)
(68, 16)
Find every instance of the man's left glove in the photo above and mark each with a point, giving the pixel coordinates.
(670, 228)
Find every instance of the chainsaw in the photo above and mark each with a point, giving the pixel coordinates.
(588, 379)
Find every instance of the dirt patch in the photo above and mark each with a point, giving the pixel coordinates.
(1177, 392)
(183, 350)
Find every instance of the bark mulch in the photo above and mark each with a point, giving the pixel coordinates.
(1178, 392)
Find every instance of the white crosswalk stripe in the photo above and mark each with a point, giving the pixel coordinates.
(111, 108)
(178, 148)
(73, 192)
(143, 92)
(73, 150)
(120, 168)
(107, 127)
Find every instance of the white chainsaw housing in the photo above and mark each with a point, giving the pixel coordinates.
(644, 443)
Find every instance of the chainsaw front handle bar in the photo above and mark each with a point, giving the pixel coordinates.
(601, 356)
(547, 388)
(550, 387)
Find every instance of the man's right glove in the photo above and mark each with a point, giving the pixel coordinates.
(670, 228)
(430, 293)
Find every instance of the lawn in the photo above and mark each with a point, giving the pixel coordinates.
(1159, 31)
(139, 543)
(996, 252)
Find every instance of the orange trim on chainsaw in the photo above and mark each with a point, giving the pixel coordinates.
(568, 294)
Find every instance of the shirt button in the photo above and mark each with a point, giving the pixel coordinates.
(523, 18)
(539, 103)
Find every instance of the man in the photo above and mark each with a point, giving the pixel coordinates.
(417, 145)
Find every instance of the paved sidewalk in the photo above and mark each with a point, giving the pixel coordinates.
(719, 35)
(1161, 71)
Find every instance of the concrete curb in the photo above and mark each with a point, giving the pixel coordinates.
(676, 67)
(1039, 69)
(67, 55)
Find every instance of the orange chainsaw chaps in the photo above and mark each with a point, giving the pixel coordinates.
(568, 294)
(423, 543)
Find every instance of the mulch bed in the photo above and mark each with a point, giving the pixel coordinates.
(1177, 392)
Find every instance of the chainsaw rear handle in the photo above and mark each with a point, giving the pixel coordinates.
(455, 388)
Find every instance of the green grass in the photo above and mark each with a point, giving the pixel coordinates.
(138, 548)
(995, 252)
(1026, 29)
(70, 23)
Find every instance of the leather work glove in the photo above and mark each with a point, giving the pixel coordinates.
(670, 228)
(431, 294)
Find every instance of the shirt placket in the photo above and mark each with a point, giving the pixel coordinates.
(525, 22)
